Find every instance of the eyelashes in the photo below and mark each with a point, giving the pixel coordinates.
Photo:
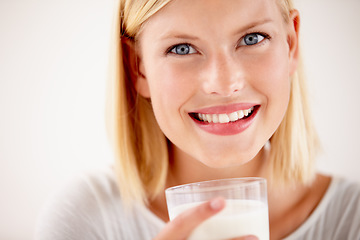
(253, 39)
(182, 49)
(249, 40)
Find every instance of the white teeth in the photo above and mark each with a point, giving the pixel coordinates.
(203, 116)
(225, 118)
(233, 116)
(215, 118)
(240, 114)
(208, 117)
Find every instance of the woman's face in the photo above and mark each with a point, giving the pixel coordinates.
(217, 73)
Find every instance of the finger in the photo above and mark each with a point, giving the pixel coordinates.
(182, 226)
(250, 237)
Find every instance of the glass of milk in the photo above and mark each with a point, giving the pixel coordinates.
(245, 213)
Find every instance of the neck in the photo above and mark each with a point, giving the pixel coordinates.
(185, 169)
(290, 203)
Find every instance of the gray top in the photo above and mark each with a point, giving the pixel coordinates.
(90, 207)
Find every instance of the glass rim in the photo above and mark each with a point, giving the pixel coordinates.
(226, 182)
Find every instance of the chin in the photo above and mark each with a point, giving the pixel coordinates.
(226, 162)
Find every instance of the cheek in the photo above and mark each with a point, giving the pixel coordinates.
(278, 88)
(170, 82)
(273, 74)
(170, 88)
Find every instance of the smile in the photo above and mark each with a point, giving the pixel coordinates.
(224, 118)
(218, 122)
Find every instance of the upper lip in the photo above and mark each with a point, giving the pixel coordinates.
(221, 109)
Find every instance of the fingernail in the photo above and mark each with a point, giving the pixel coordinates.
(250, 237)
(217, 204)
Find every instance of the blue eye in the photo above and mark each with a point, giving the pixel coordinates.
(252, 39)
(182, 49)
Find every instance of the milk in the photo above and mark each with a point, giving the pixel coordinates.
(238, 218)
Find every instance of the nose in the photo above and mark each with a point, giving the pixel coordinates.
(223, 76)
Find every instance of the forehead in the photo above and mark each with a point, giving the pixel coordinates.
(198, 15)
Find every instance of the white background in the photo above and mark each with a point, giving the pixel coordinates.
(53, 60)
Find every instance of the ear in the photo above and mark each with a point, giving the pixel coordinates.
(293, 40)
(134, 67)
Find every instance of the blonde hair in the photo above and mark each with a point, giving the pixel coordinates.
(141, 149)
(295, 143)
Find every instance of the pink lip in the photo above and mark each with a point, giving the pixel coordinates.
(226, 108)
(231, 128)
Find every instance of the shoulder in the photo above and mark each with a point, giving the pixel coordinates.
(336, 216)
(343, 210)
(350, 190)
(79, 208)
(344, 199)
(90, 207)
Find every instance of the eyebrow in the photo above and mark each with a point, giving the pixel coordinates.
(253, 24)
(179, 35)
(192, 37)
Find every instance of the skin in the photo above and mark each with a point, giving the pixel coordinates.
(220, 70)
(181, 227)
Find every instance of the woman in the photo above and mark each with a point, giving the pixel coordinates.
(203, 90)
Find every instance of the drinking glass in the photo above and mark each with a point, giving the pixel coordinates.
(245, 212)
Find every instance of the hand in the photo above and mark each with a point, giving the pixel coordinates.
(181, 227)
